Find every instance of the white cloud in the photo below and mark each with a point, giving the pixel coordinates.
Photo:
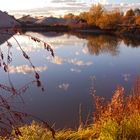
(31, 48)
(57, 60)
(61, 7)
(77, 53)
(62, 1)
(85, 50)
(25, 69)
(100, 1)
(75, 70)
(79, 62)
(64, 86)
(19, 4)
(121, 4)
(126, 76)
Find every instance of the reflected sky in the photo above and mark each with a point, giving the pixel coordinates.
(25, 69)
(66, 78)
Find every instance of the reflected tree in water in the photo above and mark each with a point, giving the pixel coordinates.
(10, 118)
(132, 41)
(101, 44)
(98, 43)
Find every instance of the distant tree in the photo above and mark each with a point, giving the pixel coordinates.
(109, 20)
(130, 13)
(137, 12)
(95, 13)
(84, 16)
(128, 20)
(137, 20)
(69, 16)
(96, 10)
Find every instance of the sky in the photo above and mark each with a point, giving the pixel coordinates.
(58, 7)
(31, 4)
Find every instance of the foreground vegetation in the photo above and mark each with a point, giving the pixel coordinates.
(118, 119)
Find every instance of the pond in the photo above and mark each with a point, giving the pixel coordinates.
(82, 63)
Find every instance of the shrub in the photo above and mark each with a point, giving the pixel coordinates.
(109, 20)
(130, 13)
(95, 13)
(137, 20)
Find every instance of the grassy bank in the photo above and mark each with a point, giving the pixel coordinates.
(117, 119)
(127, 129)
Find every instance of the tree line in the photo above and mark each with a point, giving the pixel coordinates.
(99, 17)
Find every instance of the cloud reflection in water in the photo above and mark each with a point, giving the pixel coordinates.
(64, 86)
(25, 69)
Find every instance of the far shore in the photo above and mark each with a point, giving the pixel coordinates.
(126, 31)
(122, 30)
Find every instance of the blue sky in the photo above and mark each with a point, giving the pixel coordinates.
(29, 4)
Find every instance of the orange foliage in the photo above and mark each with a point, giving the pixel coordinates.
(120, 106)
(109, 20)
(137, 20)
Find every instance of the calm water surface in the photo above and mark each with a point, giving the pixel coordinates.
(68, 77)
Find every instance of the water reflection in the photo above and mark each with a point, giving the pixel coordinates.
(4, 36)
(11, 96)
(65, 78)
(25, 69)
(64, 86)
(100, 44)
(97, 44)
(75, 70)
(10, 116)
(57, 60)
(126, 76)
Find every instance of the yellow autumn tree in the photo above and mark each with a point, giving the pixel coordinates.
(69, 16)
(95, 13)
(137, 20)
(84, 16)
(110, 20)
